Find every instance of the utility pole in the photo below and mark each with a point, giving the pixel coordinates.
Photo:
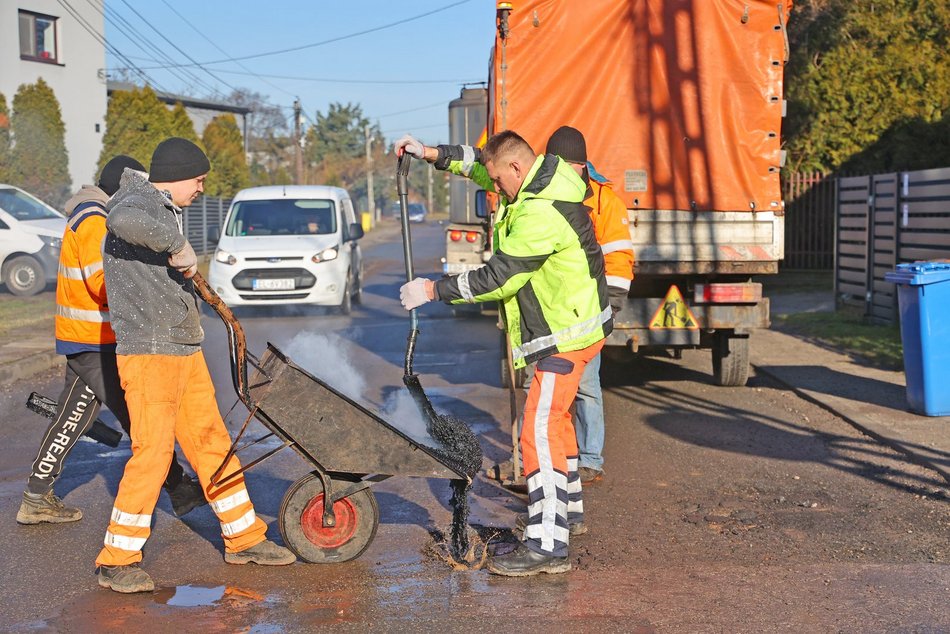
(370, 194)
(298, 149)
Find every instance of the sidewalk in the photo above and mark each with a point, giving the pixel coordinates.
(870, 399)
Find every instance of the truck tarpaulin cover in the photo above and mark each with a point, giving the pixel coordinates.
(680, 100)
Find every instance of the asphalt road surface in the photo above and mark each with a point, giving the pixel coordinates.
(722, 510)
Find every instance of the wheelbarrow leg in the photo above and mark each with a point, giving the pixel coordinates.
(329, 519)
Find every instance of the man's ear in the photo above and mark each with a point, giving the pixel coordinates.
(516, 166)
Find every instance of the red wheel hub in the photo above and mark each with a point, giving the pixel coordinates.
(347, 520)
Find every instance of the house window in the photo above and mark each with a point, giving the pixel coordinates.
(38, 37)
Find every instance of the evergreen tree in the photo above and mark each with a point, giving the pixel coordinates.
(4, 139)
(225, 148)
(182, 125)
(868, 85)
(38, 161)
(136, 122)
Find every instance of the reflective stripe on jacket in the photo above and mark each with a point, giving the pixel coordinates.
(82, 311)
(547, 269)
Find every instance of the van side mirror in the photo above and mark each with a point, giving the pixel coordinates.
(214, 234)
(481, 204)
(356, 231)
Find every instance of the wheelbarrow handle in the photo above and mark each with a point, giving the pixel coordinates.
(237, 342)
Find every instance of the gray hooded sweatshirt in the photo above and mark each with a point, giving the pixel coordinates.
(153, 307)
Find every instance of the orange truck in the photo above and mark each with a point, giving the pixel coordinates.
(681, 103)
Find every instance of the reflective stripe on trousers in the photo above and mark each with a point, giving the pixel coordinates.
(549, 451)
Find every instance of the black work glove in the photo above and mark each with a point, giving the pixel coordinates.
(616, 295)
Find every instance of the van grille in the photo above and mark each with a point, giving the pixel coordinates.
(277, 258)
(274, 296)
(243, 281)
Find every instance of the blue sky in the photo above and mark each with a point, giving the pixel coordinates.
(415, 67)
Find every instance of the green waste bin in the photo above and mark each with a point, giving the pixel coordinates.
(923, 294)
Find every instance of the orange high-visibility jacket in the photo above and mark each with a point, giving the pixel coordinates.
(612, 229)
(82, 311)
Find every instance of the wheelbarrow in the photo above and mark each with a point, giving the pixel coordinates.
(349, 447)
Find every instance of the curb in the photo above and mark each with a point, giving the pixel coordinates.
(26, 367)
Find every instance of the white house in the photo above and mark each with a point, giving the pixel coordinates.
(40, 38)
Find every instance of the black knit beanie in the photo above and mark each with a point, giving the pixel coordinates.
(569, 144)
(177, 159)
(112, 172)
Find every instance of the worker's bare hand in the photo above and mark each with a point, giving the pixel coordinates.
(184, 261)
(416, 293)
(410, 146)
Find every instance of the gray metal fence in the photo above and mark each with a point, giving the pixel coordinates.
(884, 220)
(204, 213)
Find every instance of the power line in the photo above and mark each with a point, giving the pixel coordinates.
(209, 41)
(177, 48)
(102, 40)
(431, 105)
(139, 40)
(321, 43)
(334, 80)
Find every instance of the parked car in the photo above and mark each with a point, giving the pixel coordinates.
(289, 245)
(31, 235)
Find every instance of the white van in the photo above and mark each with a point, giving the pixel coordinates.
(31, 235)
(293, 244)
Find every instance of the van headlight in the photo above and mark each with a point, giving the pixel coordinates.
(326, 255)
(224, 257)
(52, 242)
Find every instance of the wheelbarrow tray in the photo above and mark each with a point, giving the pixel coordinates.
(331, 430)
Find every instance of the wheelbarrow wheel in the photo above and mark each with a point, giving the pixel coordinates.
(301, 521)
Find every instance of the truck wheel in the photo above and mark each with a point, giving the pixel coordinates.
(24, 276)
(730, 357)
(357, 297)
(301, 521)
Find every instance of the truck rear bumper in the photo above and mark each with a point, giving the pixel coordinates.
(632, 323)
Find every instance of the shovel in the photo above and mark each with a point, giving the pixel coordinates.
(410, 379)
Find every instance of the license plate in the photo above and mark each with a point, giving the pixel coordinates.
(285, 284)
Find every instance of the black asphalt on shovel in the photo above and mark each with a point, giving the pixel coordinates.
(410, 379)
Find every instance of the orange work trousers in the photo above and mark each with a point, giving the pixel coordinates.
(549, 451)
(172, 397)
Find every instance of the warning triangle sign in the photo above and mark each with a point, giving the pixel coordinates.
(673, 313)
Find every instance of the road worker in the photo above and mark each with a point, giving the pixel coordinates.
(548, 272)
(84, 335)
(148, 267)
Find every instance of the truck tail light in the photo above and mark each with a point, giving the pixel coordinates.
(750, 293)
(455, 236)
(471, 236)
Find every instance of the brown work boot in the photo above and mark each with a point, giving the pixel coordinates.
(573, 528)
(267, 553)
(37, 508)
(589, 475)
(125, 579)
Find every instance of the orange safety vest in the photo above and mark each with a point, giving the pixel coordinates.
(612, 229)
(82, 311)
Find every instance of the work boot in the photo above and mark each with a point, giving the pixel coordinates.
(573, 528)
(524, 562)
(125, 579)
(37, 508)
(188, 495)
(267, 553)
(589, 475)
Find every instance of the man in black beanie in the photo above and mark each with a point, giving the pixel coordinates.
(148, 266)
(84, 335)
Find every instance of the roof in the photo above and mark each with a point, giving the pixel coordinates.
(273, 192)
(171, 99)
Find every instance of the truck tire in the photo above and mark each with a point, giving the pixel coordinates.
(24, 276)
(730, 357)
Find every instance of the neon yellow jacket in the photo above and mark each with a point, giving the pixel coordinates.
(547, 269)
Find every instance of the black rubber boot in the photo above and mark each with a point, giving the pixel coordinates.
(186, 496)
(524, 562)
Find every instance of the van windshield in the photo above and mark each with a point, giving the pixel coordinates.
(22, 206)
(283, 217)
